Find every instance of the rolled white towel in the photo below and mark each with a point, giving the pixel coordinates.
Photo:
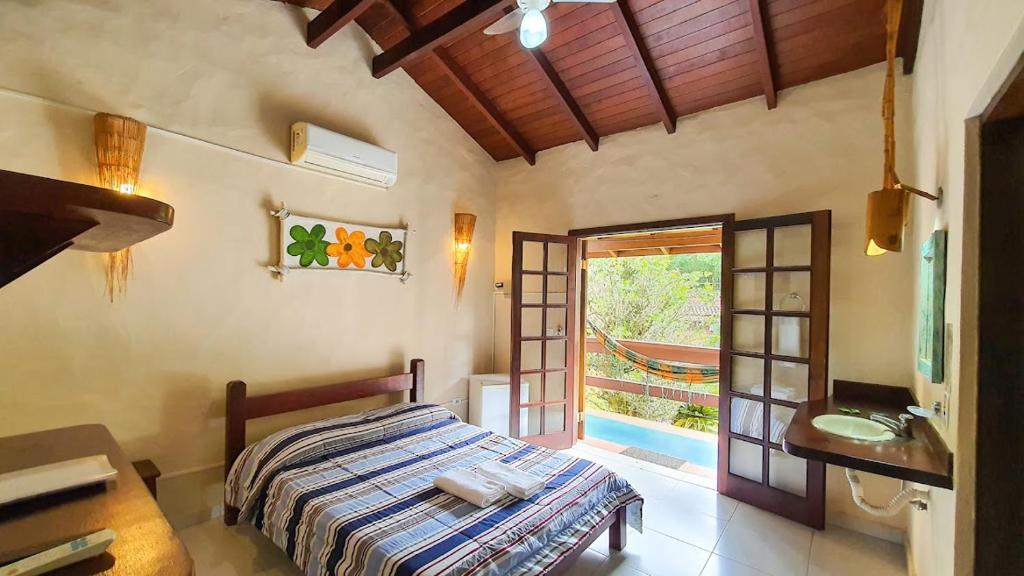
(516, 482)
(470, 486)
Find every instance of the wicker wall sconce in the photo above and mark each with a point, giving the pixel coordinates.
(464, 225)
(120, 142)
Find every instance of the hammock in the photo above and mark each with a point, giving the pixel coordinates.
(676, 371)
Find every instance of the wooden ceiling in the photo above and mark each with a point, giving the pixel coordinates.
(608, 68)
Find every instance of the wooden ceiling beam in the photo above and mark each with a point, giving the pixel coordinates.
(910, 32)
(457, 22)
(763, 46)
(484, 105)
(564, 98)
(634, 41)
(465, 85)
(334, 18)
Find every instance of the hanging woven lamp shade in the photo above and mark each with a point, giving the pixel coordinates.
(120, 142)
(889, 208)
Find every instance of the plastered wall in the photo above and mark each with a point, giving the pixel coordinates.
(201, 309)
(966, 51)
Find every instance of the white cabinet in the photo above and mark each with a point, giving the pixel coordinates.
(489, 403)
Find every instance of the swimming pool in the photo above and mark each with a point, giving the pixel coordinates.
(690, 449)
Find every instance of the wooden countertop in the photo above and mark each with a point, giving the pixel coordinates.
(922, 458)
(145, 542)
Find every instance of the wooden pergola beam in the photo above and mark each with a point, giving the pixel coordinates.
(465, 85)
(634, 41)
(457, 22)
(762, 43)
(334, 18)
(564, 98)
(910, 32)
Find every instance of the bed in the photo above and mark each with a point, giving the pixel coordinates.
(354, 495)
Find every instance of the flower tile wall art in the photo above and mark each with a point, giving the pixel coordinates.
(318, 244)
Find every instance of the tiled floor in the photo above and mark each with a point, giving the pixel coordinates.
(689, 530)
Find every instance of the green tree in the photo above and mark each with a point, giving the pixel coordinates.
(670, 299)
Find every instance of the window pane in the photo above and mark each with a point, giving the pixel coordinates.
(533, 421)
(533, 256)
(791, 291)
(530, 322)
(793, 245)
(557, 257)
(745, 459)
(556, 322)
(789, 381)
(555, 354)
(781, 416)
(554, 418)
(748, 333)
(791, 336)
(530, 355)
(747, 417)
(751, 249)
(787, 472)
(748, 375)
(554, 386)
(533, 288)
(748, 291)
(556, 289)
(529, 390)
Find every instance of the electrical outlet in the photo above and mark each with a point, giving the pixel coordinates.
(456, 402)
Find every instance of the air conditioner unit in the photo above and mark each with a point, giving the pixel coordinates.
(325, 151)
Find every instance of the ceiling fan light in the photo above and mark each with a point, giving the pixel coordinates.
(533, 30)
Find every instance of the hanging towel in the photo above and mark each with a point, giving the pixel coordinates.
(470, 486)
(520, 484)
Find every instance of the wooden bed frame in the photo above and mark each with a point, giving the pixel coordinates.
(240, 408)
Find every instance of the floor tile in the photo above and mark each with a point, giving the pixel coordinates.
(680, 522)
(655, 554)
(840, 552)
(589, 563)
(220, 550)
(770, 543)
(721, 566)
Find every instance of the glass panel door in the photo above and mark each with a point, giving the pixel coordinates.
(774, 356)
(544, 327)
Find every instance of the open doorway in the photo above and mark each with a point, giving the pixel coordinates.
(651, 305)
(773, 302)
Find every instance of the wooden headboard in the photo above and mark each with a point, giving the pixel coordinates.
(240, 407)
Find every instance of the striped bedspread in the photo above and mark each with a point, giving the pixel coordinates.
(354, 496)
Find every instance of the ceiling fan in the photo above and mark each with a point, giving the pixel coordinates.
(529, 19)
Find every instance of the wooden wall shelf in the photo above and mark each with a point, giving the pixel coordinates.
(41, 217)
(923, 458)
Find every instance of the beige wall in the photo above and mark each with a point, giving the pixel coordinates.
(966, 50)
(201, 308)
(820, 149)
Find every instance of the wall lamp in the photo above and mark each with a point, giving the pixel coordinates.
(464, 225)
(120, 142)
(889, 208)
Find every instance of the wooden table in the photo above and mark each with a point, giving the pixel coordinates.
(145, 544)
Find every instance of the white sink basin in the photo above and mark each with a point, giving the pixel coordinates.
(853, 427)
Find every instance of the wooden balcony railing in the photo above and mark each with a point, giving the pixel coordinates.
(675, 353)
